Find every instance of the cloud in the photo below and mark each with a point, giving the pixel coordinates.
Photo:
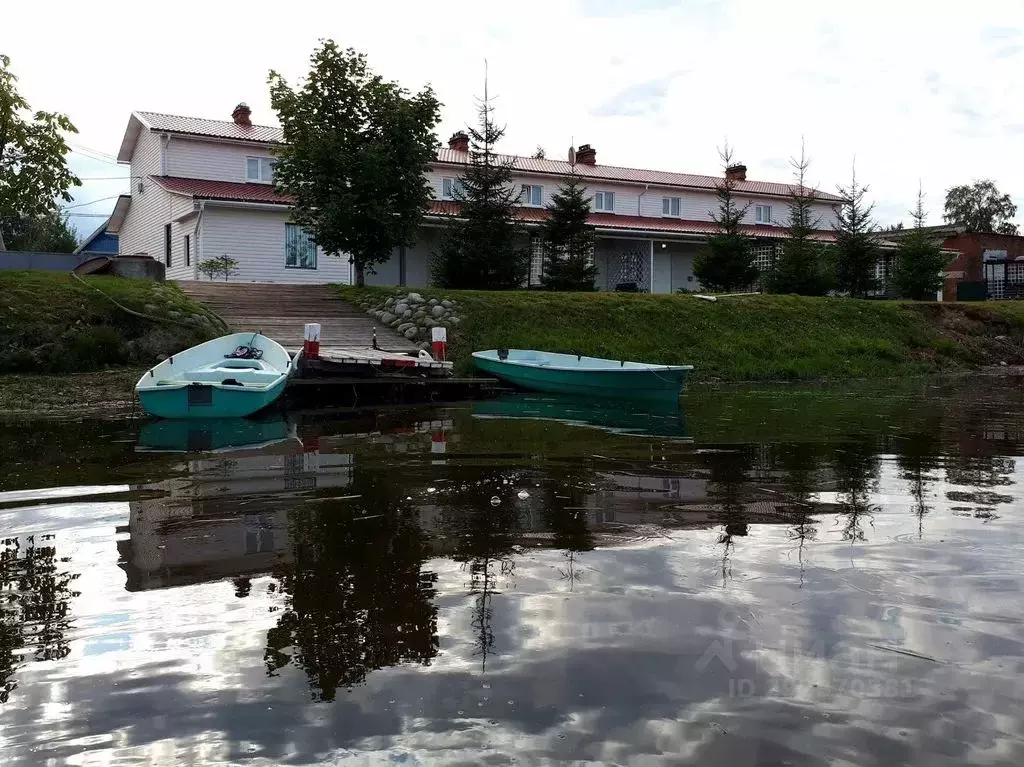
(613, 8)
(1008, 51)
(638, 100)
(989, 34)
(933, 81)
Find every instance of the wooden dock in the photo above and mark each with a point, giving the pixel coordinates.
(349, 371)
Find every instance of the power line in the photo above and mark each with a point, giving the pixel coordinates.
(94, 154)
(104, 178)
(91, 202)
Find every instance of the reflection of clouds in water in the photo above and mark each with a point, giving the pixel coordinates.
(900, 645)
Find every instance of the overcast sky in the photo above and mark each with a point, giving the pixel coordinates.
(913, 90)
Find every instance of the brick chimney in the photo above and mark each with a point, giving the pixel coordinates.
(586, 155)
(459, 142)
(736, 172)
(241, 115)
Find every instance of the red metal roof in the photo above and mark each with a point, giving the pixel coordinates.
(636, 224)
(268, 134)
(202, 189)
(631, 175)
(198, 126)
(227, 191)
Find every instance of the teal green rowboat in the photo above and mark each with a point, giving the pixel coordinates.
(584, 376)
(229, 377)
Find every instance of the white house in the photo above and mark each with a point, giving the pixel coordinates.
(202, 188)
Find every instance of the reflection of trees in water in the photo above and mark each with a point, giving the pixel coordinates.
(857, 468)
(355, 597)
(728, 472)
(917, 455)
(798, 464)
(35, 605)
(565, 517)
(485, 539)
(980, 473)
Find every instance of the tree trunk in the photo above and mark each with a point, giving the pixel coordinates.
(360, 275)
(3, 247)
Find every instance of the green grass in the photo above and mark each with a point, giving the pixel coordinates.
(51, 322)
(745, 338)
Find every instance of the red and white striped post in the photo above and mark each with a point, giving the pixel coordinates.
(311, 341)
(439, 343)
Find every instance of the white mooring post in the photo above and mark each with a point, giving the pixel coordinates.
(311, 341)
(439, 343)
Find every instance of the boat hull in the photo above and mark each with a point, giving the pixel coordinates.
(212, 402)
(634, 384)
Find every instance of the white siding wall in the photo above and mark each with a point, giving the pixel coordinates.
(255, 238)
(146, 159)
(143, 227)
(188, 158)
(633, 200)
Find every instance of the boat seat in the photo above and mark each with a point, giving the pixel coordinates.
(242, 375)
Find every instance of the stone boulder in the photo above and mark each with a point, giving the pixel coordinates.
(433, 302)
(437, 311)
(410, 333)
(446, 304)
(401, 308)
(404, 327)
(414, 298)
(387, 318)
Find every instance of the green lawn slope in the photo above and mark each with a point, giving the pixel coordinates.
(741, 338)
(51, 322)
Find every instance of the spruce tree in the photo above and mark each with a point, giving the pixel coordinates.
(919, 260)
(800, 268)
(727, 263)
(856, 251)
(483, 247)
(568, 239)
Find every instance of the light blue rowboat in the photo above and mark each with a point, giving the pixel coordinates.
(586, 376)
(206, 381)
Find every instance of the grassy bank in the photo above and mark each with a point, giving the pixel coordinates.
(745, 338)
(53, 323)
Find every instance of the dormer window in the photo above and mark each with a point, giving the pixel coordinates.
(259, 169)
(451, 189)
(604, 201)
(532, 195)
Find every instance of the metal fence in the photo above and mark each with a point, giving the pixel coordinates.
(11, 260)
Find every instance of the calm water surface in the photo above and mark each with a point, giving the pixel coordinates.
(775, 576)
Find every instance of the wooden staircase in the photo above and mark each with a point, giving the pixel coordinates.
(280, 311)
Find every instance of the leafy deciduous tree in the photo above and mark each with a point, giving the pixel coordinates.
(482, 247)
(727, 263)
(45, 233)
(223, 266)
(919, 260)
(356, 151)
(800, 266)
(568, 238)
(856, 251)
(980, 208)
(34, 174)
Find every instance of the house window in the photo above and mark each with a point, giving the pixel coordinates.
(188, 250)
(604, 201)
(259, 169)
(764, 258)
(299, 248)
(451, 189)
(167, 245)
(763, 214)
(532, 194)
(670, 206)
(536, 260)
